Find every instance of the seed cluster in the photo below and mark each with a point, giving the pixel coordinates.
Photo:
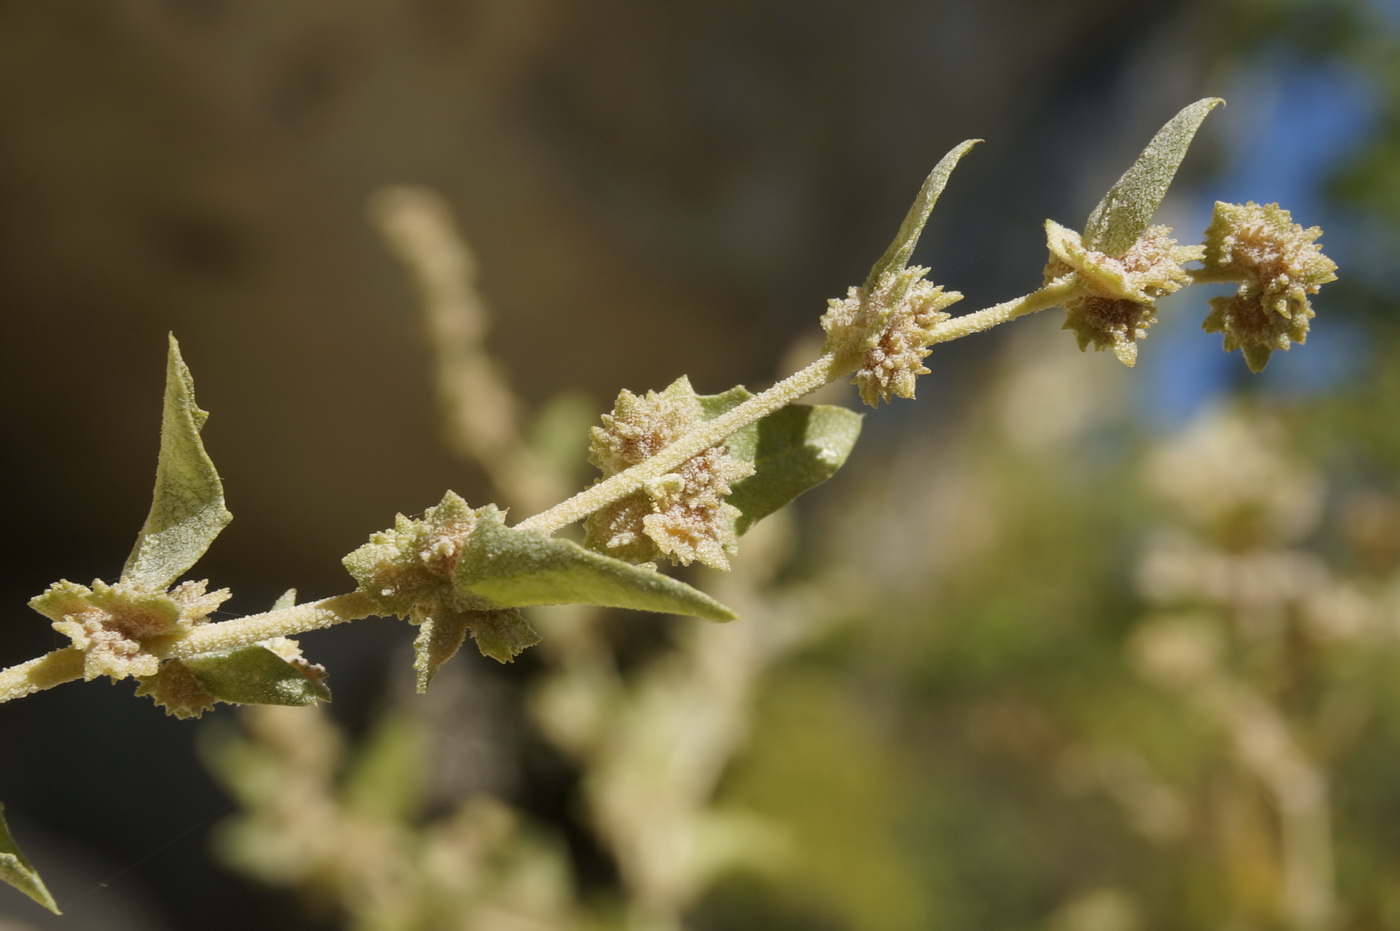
(1278, 264)
(1119, 302)
(681, 515)
(884, 333)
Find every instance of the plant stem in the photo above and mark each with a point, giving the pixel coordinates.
(1051, 295)
(826, 369)
(41, 673)
(1202, 276)
(710, 433)
(284, 622)
(65, 665)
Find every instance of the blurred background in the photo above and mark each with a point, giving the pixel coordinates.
(1065, 646)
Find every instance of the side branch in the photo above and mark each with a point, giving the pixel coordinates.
(66, 665)
(824, 370)
(45, 672)
(1051, 295)
(1217, 276)
(697, 441)
(284, 622)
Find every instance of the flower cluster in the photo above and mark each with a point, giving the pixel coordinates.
(681, 515)
(116, 626)
(884, 333)
(1278, 264)
(1120, 293)
(408, 569)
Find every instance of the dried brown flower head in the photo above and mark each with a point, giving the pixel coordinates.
(1278, 264)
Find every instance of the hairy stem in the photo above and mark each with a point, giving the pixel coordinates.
(481, 413)
(45, 672)
(283, 622)
(66, 665)
(1266, 746)
(797, 385)
(1051, 295)
(1205, 276)
(826, 369)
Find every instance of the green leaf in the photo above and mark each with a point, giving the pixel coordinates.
(896, 257)
(17, 871)
(187, 509)
(793, 449)
(502, 635)
(509, 568)
(254, 675)
(712, 405)
(1123, 215)
(796, 448)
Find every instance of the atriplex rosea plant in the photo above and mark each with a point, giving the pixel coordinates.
(684, 475)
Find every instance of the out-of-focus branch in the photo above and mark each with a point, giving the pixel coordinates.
(1179, 655)
(480, 413)
(1264, 744)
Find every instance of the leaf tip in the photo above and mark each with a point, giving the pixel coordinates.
(897, 255)
(19, 873)
(1125, 212)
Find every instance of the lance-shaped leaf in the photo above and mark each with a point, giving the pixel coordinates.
(18, 872)
(792, 450)
(254, 675)
(1126, 210)
(508, 568)
(896, 257)
(187, 510)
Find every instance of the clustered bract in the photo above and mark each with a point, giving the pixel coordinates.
(1278, 264)
(681, 515)
(884, 333)
(1119, 303)
(409, 571)
(116, 625)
